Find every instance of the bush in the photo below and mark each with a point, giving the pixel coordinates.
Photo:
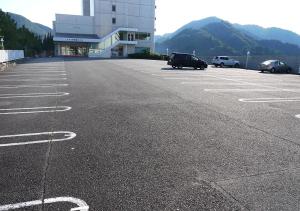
(147, 55)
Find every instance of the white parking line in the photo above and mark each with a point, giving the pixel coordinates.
(298, 116)
(32, 72)
(81, 205)
(67, 136)
(182, 79)
(211, 83)
(58, 94)
(180, 75)
(32, 75)
(37, 79)
(42, 68)
(252, 90)
(34, 110)
(269, 100)
(31, 86)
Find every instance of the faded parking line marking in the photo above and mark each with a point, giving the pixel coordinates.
(252, 90)
(38, 79)
(34, 110)
(58, 94)
(66, 137)
(183, 79)
(211, 83)
(81, 205)
(32, 72)
(33, 75)
(31, 86)
(269, 100)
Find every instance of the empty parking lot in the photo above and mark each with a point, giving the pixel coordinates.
(137, 135)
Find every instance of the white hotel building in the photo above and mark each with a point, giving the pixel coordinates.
(108, 28)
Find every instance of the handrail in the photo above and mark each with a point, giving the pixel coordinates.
(118, 30)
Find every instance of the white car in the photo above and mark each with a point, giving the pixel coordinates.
(222, 61)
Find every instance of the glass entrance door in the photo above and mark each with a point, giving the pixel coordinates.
(74, 50)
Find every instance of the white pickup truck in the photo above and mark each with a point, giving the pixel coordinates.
(222, 61)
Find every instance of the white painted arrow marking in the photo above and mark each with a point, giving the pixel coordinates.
(67, 136)
(81, 205)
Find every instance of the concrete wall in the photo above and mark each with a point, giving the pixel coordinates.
(11, 55)
(74, 24)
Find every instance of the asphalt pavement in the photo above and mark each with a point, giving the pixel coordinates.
(80, 134)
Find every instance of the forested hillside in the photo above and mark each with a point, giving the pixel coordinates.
(213, 36)
(22, 39)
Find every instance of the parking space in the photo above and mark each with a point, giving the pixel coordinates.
(31, 97)
(138, 135)
(239, 85)
(269, 103)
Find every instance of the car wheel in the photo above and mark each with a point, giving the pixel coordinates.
(222, 65)
(195, 68)
(236, 66)
(216, 65)
(262, 71)
(174, 67)
(288, 70)
(273, 70)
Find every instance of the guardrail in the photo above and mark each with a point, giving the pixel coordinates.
(11, 55)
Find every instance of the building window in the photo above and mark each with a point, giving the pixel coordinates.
(114, 21)
(131, 37)
(143, 36)
(114, 8)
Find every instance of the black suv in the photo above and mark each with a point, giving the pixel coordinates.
(180, 60)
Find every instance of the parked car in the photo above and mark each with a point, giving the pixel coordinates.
(180, 60)
(222, 61)
(275, 66)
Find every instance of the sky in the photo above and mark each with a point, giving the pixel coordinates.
(172, 14)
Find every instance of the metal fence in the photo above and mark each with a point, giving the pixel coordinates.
(11, 55)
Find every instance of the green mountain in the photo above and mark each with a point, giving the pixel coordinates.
(192, 25)
(273, 33)
(36, 28)
(222, 38)
(21, 38)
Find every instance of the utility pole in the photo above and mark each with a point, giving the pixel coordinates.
(247, 60)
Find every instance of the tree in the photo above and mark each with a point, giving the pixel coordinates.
(20, 38)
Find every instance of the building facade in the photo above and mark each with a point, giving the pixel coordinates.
(107, 28)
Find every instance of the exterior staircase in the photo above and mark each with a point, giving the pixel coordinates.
(110, 41)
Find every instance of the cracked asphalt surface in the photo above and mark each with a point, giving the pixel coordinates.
(150, 138)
